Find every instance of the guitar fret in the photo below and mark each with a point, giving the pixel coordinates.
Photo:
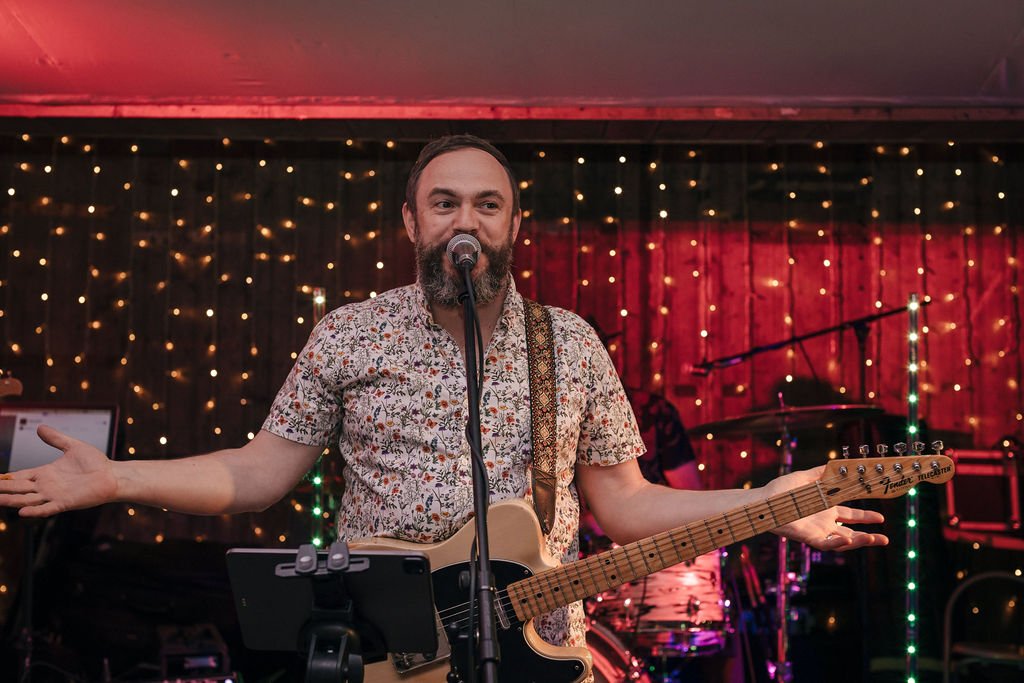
(571, 586)
(661, 558)
(732, 533)
(678, 547)
(625, 564)
(792, 494)
(711, 536)
(597, 574)
(693, 543)
(604, 565)
(583, 589)
(768, 502)
(642, 552)
(537, 592)
(520, 603)
(616, 565)
(824, 502)
(766, 525)
(750, 521)
(553, 588)
(550, 592)
(676, 550)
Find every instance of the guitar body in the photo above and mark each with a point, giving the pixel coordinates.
(517, 552)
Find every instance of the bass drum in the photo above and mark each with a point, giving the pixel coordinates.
(677, 612)
(613, 663)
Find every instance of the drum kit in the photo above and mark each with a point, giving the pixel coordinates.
(655, 629)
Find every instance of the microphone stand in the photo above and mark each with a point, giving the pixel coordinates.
(858, 325)
(488, 655)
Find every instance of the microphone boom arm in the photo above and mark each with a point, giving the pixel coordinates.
(858, 324)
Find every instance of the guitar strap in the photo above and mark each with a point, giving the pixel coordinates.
(540, 354)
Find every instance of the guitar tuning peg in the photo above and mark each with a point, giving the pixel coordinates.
(846, 451)
(864, 450)
(900, 448)
(918, 447)
(882, 449)
(937, 446)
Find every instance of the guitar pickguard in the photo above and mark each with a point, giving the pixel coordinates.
(519, 662)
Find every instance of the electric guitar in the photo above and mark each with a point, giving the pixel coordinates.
(530, 582)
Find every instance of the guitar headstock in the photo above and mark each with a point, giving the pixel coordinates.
(885, 476)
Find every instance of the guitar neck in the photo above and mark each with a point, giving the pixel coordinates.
(577, 580)
(842, 481)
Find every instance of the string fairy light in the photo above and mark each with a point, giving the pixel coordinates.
(659, 241)
(127, 353)
(48, 279)
(912, 574)
(316, 477)
(834, 265)
(92, 243)
(163, 398)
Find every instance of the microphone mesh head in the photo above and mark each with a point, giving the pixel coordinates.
(463, 244)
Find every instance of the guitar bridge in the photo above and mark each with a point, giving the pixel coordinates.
(501, 615)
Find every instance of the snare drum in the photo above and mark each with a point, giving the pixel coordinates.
(677, 612)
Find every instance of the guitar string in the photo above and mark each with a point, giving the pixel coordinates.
(803, 495)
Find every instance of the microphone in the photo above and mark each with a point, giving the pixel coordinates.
(463, 250)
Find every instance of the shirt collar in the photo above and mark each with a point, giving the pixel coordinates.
(512, 311)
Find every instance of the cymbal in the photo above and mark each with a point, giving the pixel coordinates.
(792, 418)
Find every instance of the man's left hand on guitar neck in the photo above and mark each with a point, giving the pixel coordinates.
(826, 530)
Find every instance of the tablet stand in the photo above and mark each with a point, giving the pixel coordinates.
(336, 608)
(334, 652)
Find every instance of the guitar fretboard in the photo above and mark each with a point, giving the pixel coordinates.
(577, 580)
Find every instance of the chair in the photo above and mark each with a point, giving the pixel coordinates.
(989, 652)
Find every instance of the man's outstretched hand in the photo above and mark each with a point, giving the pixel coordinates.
(80, 478)
(827, 530)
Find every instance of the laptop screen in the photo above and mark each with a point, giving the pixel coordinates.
(20, 446)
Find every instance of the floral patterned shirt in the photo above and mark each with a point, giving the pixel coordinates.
(386, 383)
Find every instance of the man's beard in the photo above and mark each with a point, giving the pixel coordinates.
(442, 289)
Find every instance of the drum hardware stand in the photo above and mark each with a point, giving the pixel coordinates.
(783, 669)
